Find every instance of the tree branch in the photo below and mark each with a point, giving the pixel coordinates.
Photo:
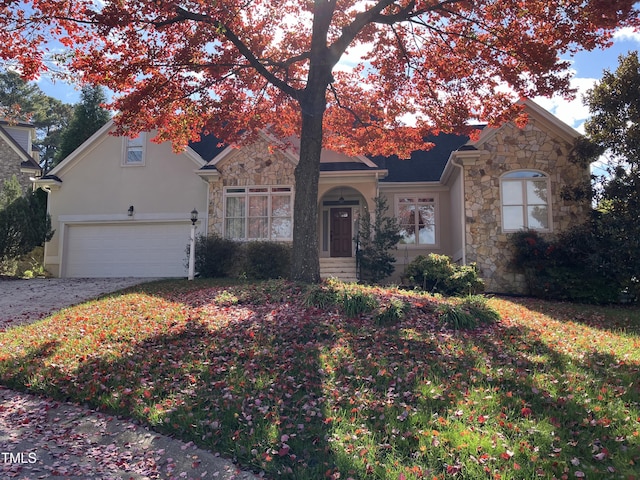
(245, 51)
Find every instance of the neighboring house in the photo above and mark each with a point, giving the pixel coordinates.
(18, 156)
(462, 198)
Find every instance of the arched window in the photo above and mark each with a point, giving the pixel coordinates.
(525, 201)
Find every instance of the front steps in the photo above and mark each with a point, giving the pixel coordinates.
(342, 268)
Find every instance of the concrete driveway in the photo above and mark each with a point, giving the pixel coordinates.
(23, 301)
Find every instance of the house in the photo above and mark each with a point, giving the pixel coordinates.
(120, 207)
(18, 156)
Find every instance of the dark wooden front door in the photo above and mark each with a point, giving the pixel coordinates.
(341, 240)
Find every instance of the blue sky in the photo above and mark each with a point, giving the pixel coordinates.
(587, 67)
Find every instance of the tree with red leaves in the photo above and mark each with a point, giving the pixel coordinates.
(232, 67)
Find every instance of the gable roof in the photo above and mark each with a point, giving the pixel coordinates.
(28, 162)
(92, 142)
(208, 147)
(542, 117)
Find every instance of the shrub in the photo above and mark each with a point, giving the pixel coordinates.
(375, 240)
(266, 260)
(467, 314)
(215, 256)
(580, 265)
(321, 296)
(392, 313)
(437, 274)
(24, 225)
(356, 302)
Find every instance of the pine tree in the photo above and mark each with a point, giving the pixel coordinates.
(88, 117)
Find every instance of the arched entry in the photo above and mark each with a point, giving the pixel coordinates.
(340, 210)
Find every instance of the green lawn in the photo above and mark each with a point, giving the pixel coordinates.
(249, 370)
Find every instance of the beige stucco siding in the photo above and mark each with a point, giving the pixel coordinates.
(96, 188)
(445, 243)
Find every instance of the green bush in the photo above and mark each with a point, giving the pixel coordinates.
(266, 260)
(580, 265)
(356, 302)
(24, 225)
(375, 241)
(392, 313)
(471, 312)
(321, 296)
(215, 256)
(437, 274)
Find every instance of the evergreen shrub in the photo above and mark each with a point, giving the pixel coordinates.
(438, 274)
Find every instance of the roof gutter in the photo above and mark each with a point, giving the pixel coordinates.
(469, 155)
(463, 216)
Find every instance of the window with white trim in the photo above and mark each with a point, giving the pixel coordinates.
(524, 199)
(417, 219)
(134, 150)
(258, 213)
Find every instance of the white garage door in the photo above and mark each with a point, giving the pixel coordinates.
(116, 250)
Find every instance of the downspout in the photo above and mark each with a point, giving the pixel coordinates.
(463, 217)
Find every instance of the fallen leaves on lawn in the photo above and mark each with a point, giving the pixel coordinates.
(302, 392)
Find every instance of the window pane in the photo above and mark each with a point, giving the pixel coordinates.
(406, 219)
(134, 155)
(281, 206)
(512, 193)
(427, 235)
(536, 192)
(235, 228)
(426, 224)
(426, 215)
(135, 141)
(538, 217)
(523, 174)
(258, 206)
(235, 207)
(258, 228)
(513, 219)
(281, 228)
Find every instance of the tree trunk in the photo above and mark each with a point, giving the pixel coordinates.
(305, 266)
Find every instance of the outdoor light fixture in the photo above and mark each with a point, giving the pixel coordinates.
(192, 244)
(130, 211)
(341, 199)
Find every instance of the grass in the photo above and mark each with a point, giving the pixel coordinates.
(261, 374)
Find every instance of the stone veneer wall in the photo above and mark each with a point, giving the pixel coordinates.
(532, 147)
(10, 165)
(250, 165)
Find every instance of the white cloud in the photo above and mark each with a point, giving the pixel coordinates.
(572, 112)
(628, 34)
